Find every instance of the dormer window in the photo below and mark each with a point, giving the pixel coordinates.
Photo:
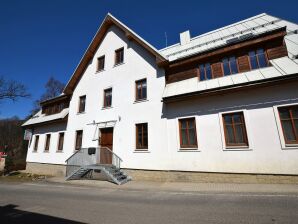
(258, 59)
(230, 65)
(205, 72)
(101, 63)
(119, 56)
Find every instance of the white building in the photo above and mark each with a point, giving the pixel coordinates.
(222, 102)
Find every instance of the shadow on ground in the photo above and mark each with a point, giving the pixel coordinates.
(9, 214)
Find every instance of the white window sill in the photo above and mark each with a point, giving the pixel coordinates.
(99, 71)
(140, 101)
(46, 151)
(188, 150)
(106, 108)
(81, 113)
(116, 65)
(59, 151)
(34, 151)
(141, 151)
(237, 148)
(290, 147)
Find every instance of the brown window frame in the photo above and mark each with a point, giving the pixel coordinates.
(82, 108)
(141, 146)
(137, 98)
(36, 142)
(47, 143)
(119, 59)
(100, 63)
(295, 132)
(60, 145)
(76, 139)
(105, 103)
(188, 146)
(205, 73)
(244, 133)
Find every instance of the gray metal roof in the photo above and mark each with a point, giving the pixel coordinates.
(247, 28)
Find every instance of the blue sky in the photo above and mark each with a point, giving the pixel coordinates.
(39, 39)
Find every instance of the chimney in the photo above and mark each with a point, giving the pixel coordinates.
(185, 37)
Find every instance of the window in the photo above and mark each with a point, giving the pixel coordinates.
(119, 56)
(230, 65)
(36, 143)
(258, 59)
(107, 98)
(142, 136)
(60, 141)
(205, 72)
(82, 104)
(188, 135)
(101, 63)
(48, 140)
(234, 129)
(289, 122)
(141, 89)
(79, 138)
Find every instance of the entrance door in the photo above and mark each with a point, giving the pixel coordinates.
(106, 140)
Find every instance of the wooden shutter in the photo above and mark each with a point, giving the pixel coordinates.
(186, 74)
(277, 52)
(243, 63)
(217, 70)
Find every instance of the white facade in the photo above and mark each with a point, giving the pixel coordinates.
(267, 152)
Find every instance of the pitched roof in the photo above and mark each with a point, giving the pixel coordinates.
(245, 29)
(107, 22)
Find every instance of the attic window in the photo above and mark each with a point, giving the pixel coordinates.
(119, 56)
(101, 63)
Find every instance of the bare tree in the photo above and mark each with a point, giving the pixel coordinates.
(53, 88)
(12, 90)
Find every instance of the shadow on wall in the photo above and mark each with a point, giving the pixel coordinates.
(9, 214)
(258, 98)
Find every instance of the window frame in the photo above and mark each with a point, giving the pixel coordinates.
(36, 143)
(76, 139)
(142, 147)
(257, 58)
(187, 147)
(295, 132)
(104, 97)
(136, 90)
(121, 49)
(59, 138)
(229, 65)
(80, 111)
(205, 73)
(103, 67)
(47, 143)
(244, 127)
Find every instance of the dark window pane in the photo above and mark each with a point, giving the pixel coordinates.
(184, 137)
(288, 130)
(253, 60)
(230, 134)
(202, 73)
(233, 65)
(208, 71)
(239, 138)
(228, 119)
(237, 118)
(226, 66)
(183, 124)
(295, 112)
(284, 113)
(262, 60)
(192, 136)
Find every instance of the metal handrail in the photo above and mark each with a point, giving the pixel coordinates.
(82, 158)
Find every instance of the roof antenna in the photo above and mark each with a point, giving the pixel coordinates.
(166, 39)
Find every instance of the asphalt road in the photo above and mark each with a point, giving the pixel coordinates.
(44, 203)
